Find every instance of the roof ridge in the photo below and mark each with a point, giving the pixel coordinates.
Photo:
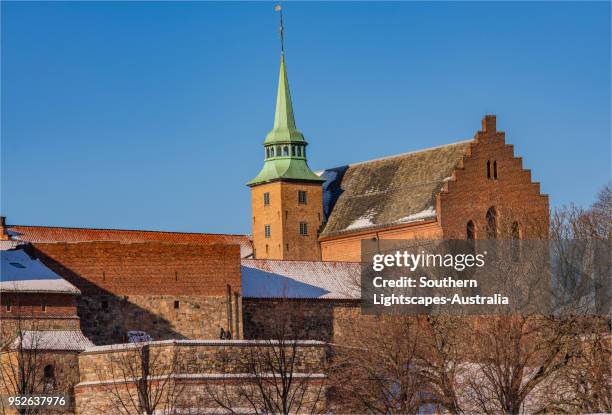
(320, 172)
(124, 230)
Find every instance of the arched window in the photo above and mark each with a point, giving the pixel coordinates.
(495, 169)
(488, 169)
(49, 372)
(279, 151)
(271, 151)
(286, 151)
(470, 231)
(299, 151)
(491, 223)
(293, 151)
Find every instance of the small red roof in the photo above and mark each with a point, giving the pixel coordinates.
(50, 234)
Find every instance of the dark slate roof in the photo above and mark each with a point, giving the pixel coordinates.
(265, 278)
(388, 191)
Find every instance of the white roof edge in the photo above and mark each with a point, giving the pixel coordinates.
(124, 346)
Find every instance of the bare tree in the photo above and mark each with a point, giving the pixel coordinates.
(279, 375)
(139, 378)
(22, 363)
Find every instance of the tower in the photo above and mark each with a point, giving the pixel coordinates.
(286, 196)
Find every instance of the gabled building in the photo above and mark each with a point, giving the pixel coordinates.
(474, 188)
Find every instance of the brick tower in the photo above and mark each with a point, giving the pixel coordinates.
(286, 196)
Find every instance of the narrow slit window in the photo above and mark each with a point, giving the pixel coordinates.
(488, 169)
(177, 304)
(303, 228)
(495, 169)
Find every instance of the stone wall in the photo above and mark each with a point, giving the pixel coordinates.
(105, 319)
(324, 320)
(65, 369)
(189, 372)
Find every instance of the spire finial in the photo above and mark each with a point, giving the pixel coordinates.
(279, 9)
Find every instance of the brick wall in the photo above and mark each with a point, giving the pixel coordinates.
(284, 214)
(510, 190)
(348, 247)
(136, 286)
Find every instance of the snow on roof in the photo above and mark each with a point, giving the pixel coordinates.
(50, 234)
(53, 340)
(263, 278)
(21, 272)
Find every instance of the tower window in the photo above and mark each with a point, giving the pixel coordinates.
(271, 151)
(303, 228)
(495, 169)
(293, 151)
(278, 151)
(266, 248)
(299, 151)
(177, 304)
(267, 231)
(302, 197)
(286, 151)
(43, 307)
(8, 307)
(287, 247)
(266, 198)
(488, 169)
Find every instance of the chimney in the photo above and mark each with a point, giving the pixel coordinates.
(488, 124)
(4, 236)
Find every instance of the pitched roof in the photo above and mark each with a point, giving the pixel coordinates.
(388, 191)
(264, 278)
(53, 340)
(50, 234)
(23, 273)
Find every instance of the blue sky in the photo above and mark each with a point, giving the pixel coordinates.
(151, 115)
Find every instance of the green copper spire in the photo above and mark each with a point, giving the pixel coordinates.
(285, 147)
(284, 130)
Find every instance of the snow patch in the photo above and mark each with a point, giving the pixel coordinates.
(363, 222)
(428, 213)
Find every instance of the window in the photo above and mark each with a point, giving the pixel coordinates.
(49, 372)
(266, 199)
(266, 249)
(470, 231)
(303, 228)
(495, 169)
(267, 231)
(8, 307)
(287, 247)
(302, 197)
(43, 307)
(278, 151)
(293, 151)
(271, 151)
(286, 151)
(267, 152)
(299, 151)
(491, 223)
(488, 169)
(17, 265)
(177, 304)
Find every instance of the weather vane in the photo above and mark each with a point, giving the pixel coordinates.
(279, 9)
